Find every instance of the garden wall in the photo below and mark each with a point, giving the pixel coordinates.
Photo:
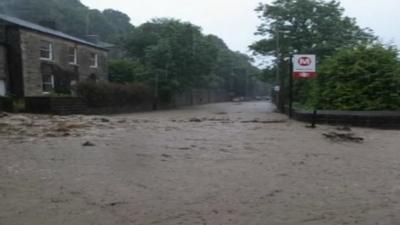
(6, 104)
(374, 119)
(74, 105)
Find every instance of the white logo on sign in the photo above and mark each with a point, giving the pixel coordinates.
(305, 61)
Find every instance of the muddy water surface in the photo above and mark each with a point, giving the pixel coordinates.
(221, 164)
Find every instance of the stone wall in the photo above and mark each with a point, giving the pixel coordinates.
(14, 62)
(59, 66)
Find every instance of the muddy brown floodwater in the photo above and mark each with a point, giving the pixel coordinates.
(220, 164)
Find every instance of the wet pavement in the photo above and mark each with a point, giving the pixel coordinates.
(219, 164)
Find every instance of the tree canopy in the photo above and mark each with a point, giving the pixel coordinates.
(307, 26)
(181, 57)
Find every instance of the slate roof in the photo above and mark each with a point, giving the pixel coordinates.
(42, 29)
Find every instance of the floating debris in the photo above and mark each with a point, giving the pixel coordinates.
(88, 144)
(264, 121)
(343, 137)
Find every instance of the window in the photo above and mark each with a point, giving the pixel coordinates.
(47, 83)
(94, 58)
(46, 50)
(73, 56)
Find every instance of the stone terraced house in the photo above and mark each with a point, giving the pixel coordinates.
(37, 61)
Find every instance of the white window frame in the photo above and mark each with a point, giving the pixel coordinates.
(50, 50)
(75, 62)
(52, 83)
(95, 60)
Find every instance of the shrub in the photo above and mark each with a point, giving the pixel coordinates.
(365, 78)
(105, 94)
(127, 71)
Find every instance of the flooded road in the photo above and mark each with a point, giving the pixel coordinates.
(220, 164)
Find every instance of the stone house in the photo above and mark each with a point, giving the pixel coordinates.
(37, 61)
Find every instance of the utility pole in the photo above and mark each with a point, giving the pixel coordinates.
(280, 101)
(278, 57)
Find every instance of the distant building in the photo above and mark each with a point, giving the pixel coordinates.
(36, 60)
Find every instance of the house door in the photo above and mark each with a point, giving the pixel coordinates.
(2, 88)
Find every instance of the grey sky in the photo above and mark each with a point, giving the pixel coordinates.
(235, 20)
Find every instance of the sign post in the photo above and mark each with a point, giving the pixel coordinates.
(302, 66)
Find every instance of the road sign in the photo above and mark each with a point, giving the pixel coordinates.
(304, 66)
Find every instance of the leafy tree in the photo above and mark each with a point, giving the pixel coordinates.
(362, 78)
(307, 26)
(234, 70)
(127, 71)
(177, 53)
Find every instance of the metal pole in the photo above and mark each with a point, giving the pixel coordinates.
(278, 95)
(291, 87)
(314, 119)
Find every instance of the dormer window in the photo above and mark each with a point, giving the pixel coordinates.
(94, 60)
(73, 56)
(46, 50)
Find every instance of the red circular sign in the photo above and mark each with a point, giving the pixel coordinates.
(305, 61)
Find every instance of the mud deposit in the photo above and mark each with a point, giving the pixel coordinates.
(222, 164)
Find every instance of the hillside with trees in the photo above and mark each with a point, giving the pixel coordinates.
(71, 17)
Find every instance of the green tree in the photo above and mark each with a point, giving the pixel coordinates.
(234, 71)
(304, 26)
(127, 71)
(362, 78)
(177, 53)
(307, 26)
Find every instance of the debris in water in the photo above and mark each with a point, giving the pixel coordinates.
(221, 113)
(166, 156)
(345, 128)
(88, 144)
(104, 120)
(3, 114)
(112, 204)
(264, 121)
(343, 137)
(195, 120)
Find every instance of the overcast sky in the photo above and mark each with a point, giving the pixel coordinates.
(235, 20)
